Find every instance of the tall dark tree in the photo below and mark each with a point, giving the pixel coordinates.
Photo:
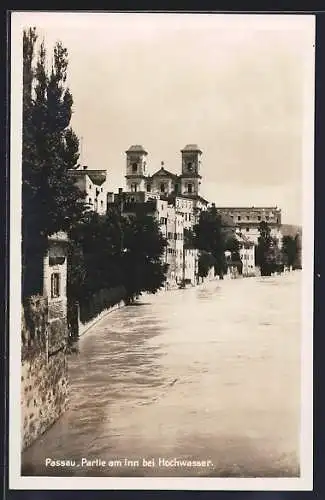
(205, 262)
(267, 254)
(143, 249)
(210, 237)
(289, 250)
(50, 200)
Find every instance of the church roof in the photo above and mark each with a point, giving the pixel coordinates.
(192, 147)
(136, 148)
(162, 172)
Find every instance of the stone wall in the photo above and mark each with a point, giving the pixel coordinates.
(44, 380)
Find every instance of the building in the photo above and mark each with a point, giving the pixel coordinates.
(247, 254)
(163, 182)
(241, 262)
(94, 184)
(173, 199)
(248, 219)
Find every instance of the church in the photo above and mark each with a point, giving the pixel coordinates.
(173, 199)
(163, 182)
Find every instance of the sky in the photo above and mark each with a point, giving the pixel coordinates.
(233, 84)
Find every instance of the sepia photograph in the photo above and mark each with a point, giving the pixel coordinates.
(161, 254)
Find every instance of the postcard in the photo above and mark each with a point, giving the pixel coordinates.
(161, 275)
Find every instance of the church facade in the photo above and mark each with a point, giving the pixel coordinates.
(177, 204)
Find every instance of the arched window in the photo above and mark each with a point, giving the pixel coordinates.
(190, 166)
(134, 168)
(162, 187)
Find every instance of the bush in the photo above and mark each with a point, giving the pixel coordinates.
(98, 302)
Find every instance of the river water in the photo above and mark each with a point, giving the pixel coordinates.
(205, 374)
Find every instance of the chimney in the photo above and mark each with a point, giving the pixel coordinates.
(120, 190)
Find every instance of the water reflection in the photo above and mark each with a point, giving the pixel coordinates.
(204, 373)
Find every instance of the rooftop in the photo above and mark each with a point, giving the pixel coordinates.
(248, 208)
(136, 148)
(97, 176)
(192, 147)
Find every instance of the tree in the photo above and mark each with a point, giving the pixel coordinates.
(233, 246)
(267, 254)
(50, 200)
(205, 263)
(209, 237)
(289, 250)
(143, 249)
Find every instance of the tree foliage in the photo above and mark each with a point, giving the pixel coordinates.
(50, 200)
(268, 256)
(112, 250)
(289, 250)
(209, 237)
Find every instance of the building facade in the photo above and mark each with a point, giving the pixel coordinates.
(94, 184)
(248, 219)
(175, 201)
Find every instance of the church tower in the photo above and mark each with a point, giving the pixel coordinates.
(136, 168)
(191, 166)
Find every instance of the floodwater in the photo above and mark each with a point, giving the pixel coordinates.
(205, 374)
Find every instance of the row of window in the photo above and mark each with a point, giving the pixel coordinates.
(101, 203)
(99, 191)
(259, 218)
(190, 167)
(188, 218)
(248, 257)
(163, 188)
(176, 252)
(175, 236)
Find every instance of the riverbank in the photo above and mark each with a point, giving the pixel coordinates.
(213, 372)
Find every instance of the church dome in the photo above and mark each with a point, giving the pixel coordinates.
(136, 148)
(192, 147)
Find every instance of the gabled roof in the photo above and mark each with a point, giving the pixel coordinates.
(162, 172)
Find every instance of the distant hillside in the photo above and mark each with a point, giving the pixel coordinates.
(290, 230)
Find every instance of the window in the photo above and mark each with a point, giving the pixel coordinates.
(102, 203)
(247, 229)
(170, 236)
(90, 186)
(134, 187)
(190, 188)
(247, 217)
(101, 190)
(190, 166)
(148, 188)
(134, 168)
(55, 285)
(90, 200)
(176, 188)
(162, 187)
(267, 217)
(259, 217)
(189, 217)
(239, 217)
